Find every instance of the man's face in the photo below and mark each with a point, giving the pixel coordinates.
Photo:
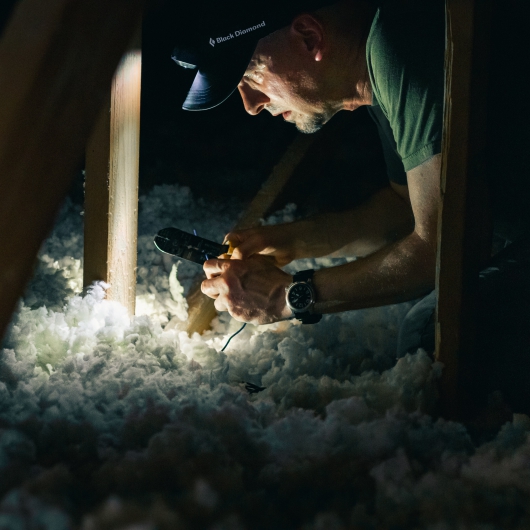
(284, 80)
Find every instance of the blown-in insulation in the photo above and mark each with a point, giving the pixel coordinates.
(107, 423)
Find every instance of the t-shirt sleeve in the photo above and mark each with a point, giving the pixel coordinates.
(405, 53)
(394, 165)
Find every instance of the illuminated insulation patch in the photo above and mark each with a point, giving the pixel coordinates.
(107, 423)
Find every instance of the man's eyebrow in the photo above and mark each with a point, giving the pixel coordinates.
(250, 82)
(255, 65)
(250, 76)
(253, 68)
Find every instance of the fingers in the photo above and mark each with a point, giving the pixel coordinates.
(234, 238)
(251, 290)
(216, 283)
(217, 289)
(214, 267)
(246, 243)
(213, 287)
(220, 305)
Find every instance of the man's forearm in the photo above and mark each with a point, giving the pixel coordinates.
(383, 219)
(402, 271)
(252, 288)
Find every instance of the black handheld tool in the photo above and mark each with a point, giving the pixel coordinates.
(188, 246)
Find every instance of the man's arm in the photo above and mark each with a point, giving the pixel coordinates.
(400, 271)
(384, 218)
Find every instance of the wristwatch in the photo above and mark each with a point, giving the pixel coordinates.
(300, 297)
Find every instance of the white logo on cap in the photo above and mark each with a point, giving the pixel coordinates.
(237, 33)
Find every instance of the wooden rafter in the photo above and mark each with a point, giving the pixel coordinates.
(57, 60)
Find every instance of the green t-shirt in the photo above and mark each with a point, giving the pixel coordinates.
(405, 56)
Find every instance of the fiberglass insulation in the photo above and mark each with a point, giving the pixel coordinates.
(111, 424)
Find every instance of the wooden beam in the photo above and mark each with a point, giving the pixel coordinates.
(201, 309)
(464, 237)
(57, 60)
(111, 186)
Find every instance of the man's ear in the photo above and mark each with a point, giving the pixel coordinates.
(309, 30)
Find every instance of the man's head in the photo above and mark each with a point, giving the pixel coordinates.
(307, 70)
(287, 75)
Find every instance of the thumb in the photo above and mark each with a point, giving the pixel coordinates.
(245, 243)
(233, 239)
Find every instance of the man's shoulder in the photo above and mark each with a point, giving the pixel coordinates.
(409, 8)
(405, 59)
(406, 35)
(399, 23)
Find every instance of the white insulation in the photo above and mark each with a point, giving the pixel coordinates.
(107, 423)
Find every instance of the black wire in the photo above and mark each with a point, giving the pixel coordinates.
(251, 388)
(236, 333)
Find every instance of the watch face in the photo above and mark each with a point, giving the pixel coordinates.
(300, 297)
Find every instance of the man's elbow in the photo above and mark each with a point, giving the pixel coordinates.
(426, 246)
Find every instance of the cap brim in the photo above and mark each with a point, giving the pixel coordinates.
(214, 83)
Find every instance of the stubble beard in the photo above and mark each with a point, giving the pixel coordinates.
(305, 123)
(310, 124)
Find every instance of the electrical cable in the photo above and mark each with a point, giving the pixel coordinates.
(236, 333)
(251, 388)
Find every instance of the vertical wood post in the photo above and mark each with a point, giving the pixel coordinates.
(464, 237)
(111, 186)
(56, 59)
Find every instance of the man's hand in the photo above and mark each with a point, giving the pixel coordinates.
(383, 219)
(251, 290)
(276, 241)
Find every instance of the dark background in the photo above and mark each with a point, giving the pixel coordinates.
(225, 154)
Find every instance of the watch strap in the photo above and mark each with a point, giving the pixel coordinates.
(303, 276)
(308, 318)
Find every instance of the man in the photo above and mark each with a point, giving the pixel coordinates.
(322, 61)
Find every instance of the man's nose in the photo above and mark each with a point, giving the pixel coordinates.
(253, 100)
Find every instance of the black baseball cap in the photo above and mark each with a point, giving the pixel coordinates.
(219, 40)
